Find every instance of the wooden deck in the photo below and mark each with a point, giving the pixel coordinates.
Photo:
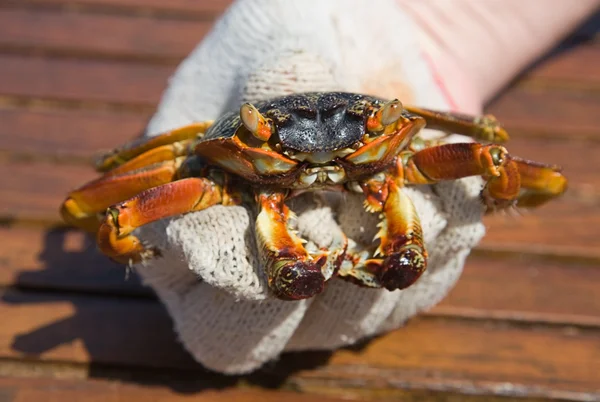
(81, 75)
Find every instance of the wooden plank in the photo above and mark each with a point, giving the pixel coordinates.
(35, 191)
(526, 289)
(38, 389)
(193, 7)
(100, 35)
(517, 288)
(576, 65)
(76, 329)
(63, 134)
(61, 259)
(538, 112)
(204, 390)
(71, 328)
(564, 227)
(493, 351)
(74, 80)
(465, 355)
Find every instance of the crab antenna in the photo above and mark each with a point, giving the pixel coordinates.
(388, 114)
(255, 122)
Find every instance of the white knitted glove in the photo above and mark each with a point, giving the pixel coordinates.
(209, 276)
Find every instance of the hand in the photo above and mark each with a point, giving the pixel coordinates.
(209, 276)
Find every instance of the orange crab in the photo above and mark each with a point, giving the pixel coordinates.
(266, 153)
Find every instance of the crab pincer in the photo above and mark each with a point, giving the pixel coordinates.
(292, 272)
(400, 258)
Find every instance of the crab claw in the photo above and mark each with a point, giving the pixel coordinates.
(255, 122)
(401, 257)
(296, 280)
(292, 273)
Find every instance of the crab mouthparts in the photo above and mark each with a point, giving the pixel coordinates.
(319, 157)
(323, 175)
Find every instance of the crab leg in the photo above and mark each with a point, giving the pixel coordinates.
(159, 154)
(114, 235)
(83, 204)
(534, 183)
(539, 183)
(137, 147)
(484, 128)
(292, 273)
(455, 161)
(401, 257)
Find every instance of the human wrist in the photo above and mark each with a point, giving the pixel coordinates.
(479, 47)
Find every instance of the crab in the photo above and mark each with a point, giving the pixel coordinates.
(271, 151)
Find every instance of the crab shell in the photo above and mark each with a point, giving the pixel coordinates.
(318, 140)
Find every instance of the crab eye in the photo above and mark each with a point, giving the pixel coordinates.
(255, 122)
(391, 112)
(388, 114)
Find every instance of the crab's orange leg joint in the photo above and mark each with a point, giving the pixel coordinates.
(82, 205)
(401, 257)
(539, 183)
(291, 272)
(484, 128)
(137, 147)
(156, 155)
(179, 197)
(455, 161)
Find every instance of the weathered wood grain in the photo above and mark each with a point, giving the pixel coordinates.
(145, 38)
(525, 288)
(40, 389)
(82, 329)
(60, 259)
(35, 191)
(548, 113)
(66, 134)
(72, 328)
(76, 80)
(575, 65)
(203, 390)
(563, 227)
